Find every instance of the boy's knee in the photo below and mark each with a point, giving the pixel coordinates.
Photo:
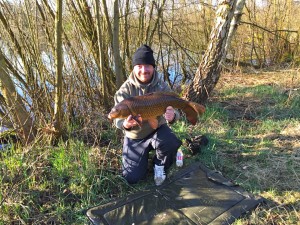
(177, 144)
(131, 177)
(172, 146)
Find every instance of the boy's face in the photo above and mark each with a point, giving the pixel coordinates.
(144, 72)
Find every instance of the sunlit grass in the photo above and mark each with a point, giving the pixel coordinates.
(260, 149)
(55, 184)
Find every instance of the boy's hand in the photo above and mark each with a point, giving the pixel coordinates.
(170, 114)
(132, 121)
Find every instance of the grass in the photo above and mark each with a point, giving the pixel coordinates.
(253, 125)
(258, 146)
(55, 185)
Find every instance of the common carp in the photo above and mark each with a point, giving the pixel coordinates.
(154, 104)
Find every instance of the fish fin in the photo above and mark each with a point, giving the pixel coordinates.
(200, 109)
(190, 114)
(153, 123)
(192, 111)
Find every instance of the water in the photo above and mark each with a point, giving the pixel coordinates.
(2, 129)
(3, 146)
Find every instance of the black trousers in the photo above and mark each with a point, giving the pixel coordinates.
(136, 153)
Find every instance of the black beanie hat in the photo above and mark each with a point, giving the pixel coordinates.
(143, 55)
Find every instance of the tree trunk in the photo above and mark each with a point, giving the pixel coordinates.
(235, 22)
(104, 88)
(116, 46)
(58, 110)
(21, 119)
(209, 69)
(141, 25)
(127, 59)
(109, 28)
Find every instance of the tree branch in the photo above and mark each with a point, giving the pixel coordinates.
(270, 31)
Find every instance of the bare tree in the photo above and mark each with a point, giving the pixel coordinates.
(116, 46)
(209, 69)
(235, 22)
(103, 84)
(20, 117)
(127, 55)
(58, 109)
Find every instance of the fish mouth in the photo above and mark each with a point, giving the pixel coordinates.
(109, 117)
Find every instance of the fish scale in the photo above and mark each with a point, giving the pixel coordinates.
(151, 107)
(148, 108)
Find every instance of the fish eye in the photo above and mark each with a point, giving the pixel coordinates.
(114, 110)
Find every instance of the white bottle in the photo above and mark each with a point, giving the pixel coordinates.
(179, 158)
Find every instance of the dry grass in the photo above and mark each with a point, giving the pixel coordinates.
(258, 141)
(283, 78)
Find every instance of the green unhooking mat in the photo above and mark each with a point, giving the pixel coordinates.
(195, 195)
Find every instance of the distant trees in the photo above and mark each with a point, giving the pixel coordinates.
(97, 42)
(268, 34)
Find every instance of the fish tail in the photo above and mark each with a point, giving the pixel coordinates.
(200, 109)
(192, 110)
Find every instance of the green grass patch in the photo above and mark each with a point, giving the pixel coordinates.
(55, 184)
